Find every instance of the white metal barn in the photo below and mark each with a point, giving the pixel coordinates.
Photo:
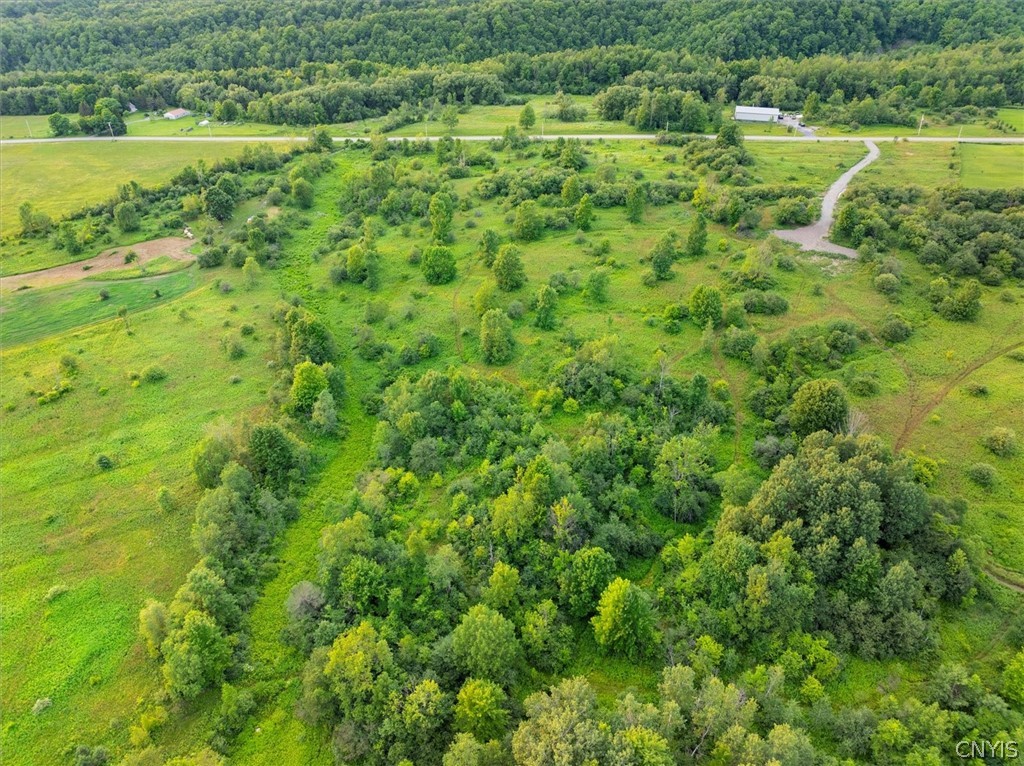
(756, 114)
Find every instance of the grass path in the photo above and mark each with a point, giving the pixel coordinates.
(276, 737)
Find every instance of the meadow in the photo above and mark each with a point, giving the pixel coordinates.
(61, 178)
(88, 546)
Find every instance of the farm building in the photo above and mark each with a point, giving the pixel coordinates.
(756, 114)
(177, 114)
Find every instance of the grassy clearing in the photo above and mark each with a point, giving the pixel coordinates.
(89, 172)
(936, 126)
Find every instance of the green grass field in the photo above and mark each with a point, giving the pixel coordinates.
(60, 178)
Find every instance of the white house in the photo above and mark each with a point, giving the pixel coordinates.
(756, 114)
(176, 114)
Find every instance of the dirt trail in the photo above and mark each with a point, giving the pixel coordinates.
(1001, 580)
(815, 236)
(917, 417)
(108, 260)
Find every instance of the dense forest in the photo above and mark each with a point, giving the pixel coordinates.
(312, 63)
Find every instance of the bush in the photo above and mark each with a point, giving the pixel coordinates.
(438, 265)
(982, 474)
(1002, 442)
(895, 329)
(887, 284)
(153, 374)
(104, 462)
(764, 302)
(738, 343)
(819, 405)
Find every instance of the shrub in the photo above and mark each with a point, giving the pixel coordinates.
(738, 343)
(819, 405)
(887, 284)
(438, 265)
(895, 329)
(982, 474)
(153, 374)
(104, 462)
(1002, 442)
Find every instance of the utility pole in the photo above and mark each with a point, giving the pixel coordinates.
(29, 129)
(920, 125)
(111, 129)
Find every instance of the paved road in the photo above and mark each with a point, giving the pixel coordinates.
(815, 236)
(582, 137)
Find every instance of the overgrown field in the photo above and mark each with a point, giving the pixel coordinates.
(86, 541)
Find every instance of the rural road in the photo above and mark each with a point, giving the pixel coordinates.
(582, 137)
(815, 236)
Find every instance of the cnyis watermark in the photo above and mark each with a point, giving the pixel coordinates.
(984, 748)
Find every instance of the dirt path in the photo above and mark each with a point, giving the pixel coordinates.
(108, 260)
(917, 417)
(815, 236)
(1001, 580)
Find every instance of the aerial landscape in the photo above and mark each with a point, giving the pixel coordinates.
(493, 383)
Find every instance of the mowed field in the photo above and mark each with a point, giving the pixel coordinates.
(61, 178)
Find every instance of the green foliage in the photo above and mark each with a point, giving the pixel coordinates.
(636, 201)
(584, 215)
(706, 306)
(528, 224)
(1013, 679)
(438, 264)
(324, 416)
(126, 216)
(496, 342)
(819, 405)
(697, 237)
(508, 268)
(527, 118)
(584, 579)
(488, 247)
(308, 382)
(485, 645)
(624, 623)
(547, 300)
(682, 477)
(481, 709)
(1001, 441)
(442, 209)
(302, 193)
(196, 655)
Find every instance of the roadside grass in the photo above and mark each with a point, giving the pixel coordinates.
(818, 164)
(100, 533)
(991, 166)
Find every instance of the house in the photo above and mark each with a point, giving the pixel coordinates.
(176, 114)
(756, 114)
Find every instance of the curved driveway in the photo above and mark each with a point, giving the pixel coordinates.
(814, 237)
